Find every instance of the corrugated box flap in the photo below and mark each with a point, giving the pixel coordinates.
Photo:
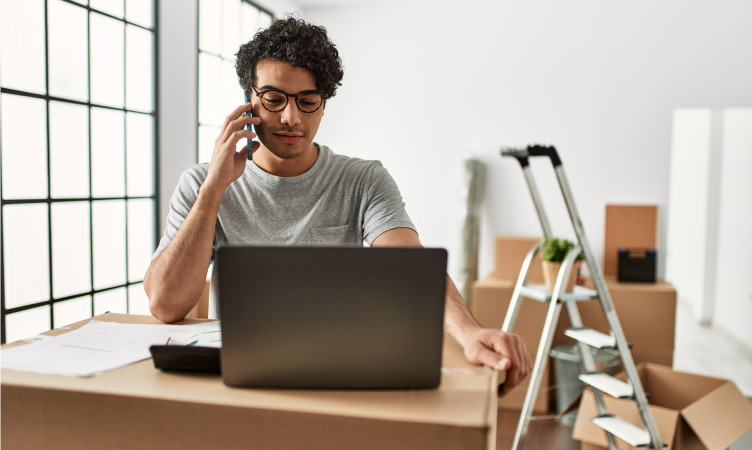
(720, 417)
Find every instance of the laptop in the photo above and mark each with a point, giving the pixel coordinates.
(331, 317)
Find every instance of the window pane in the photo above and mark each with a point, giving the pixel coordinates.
(139, 76)
(107, 59)
(140, 12)
(24, 158)
(232, 93)
(107, 153)
(138, 302)
(26, 253)
(209, 25)
(109, 243)
(231, 28)
(22, 63)
(210, 91)
(140, 154)
(250, 22)
(113, 7)
(68, 50)
(206, 137)
(71, 311)
(140, 237)
(69, 150)
(110, 301)
(71, 263)
(25, 324)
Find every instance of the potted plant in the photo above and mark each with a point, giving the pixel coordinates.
(553, 253)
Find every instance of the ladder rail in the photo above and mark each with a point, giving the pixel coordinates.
(514, 305)
(608, 309)
(544, 347)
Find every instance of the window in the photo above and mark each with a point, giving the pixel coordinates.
(77, 157)
(223, 25)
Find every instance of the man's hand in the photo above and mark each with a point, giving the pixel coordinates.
(500, 351)
(227, 164)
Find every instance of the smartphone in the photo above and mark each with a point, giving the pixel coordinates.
(249, 127)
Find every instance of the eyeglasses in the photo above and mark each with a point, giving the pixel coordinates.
(275, 100)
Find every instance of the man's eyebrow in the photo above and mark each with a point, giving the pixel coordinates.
(269, 86)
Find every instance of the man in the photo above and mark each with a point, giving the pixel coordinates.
(294, 192)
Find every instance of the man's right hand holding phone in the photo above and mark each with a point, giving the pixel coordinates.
(227, 164)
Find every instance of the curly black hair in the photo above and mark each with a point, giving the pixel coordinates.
(297, 43)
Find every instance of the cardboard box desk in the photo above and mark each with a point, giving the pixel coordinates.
(138, 406)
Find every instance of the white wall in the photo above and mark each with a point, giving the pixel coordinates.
(692, 231)
(428, 83)
(733, 280)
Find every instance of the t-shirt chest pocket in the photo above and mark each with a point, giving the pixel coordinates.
(332, 236)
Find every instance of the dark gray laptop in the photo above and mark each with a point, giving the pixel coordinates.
(333, 318)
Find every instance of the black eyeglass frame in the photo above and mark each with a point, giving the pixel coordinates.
(260, 94)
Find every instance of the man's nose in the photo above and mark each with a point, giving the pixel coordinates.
(291, 113)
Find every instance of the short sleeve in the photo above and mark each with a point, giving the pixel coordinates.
(384, 208)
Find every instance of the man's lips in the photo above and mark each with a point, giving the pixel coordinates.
(288, 138)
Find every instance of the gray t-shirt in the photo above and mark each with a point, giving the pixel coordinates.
(338, 201)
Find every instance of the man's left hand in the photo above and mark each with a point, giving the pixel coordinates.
(500, 351)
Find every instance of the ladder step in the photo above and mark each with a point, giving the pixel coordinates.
(540, 292)
(608, 384)
(591, 337)
(624, 430)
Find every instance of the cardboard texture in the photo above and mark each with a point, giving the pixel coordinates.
(510, 253)
(691, 411)
(138, 406)
(628, 226)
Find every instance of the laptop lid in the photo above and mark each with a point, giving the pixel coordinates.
(335, 318)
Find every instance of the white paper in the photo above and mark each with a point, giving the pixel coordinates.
(100, 346)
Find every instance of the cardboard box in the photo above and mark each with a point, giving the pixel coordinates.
(647, 313)
(510, 253)
(138, 406)
(691, 411)
(628, 226)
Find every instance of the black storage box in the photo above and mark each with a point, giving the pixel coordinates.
(637, 265)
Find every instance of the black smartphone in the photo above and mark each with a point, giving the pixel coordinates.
(249, 127)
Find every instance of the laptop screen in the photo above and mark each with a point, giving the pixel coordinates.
(336, 318)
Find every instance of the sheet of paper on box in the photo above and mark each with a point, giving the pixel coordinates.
(101, 346)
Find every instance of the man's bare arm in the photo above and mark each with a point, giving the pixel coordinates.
(176, 278)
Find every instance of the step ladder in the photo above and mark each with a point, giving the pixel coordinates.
(587, 338)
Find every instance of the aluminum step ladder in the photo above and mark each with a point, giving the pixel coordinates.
(587, 338)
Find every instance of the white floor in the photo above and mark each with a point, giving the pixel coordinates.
(705, 350)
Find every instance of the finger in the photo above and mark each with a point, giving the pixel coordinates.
(492, 359)
(237, 124)
(506, 344)
(235, 113)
